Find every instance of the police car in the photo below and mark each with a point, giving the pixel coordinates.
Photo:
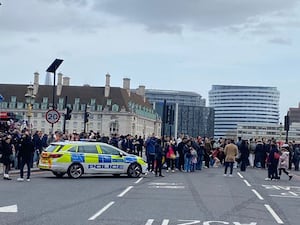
(78, 157)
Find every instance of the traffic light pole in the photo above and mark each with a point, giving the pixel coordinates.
(86, 115)
(64, 126)
(287, 127)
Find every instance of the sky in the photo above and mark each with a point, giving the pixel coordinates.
(186, 45)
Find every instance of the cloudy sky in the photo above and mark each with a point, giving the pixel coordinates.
(185, 45)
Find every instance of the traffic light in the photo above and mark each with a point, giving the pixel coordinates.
(68, 113)
(287, 123)
(86, 117)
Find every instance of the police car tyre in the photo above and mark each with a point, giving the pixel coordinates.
(58, 174)
(134, 170)
(75, 170)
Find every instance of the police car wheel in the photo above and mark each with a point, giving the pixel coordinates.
(58, 174)
(75, 171)
(134, 170)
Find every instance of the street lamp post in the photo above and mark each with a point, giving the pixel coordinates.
(29, 99)
(52, 69)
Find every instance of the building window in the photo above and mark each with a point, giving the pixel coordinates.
(44, 106)
(108, 102)
(20, 105)
(77, 100)
(4, 105)
(61, 100)
(13, 99)
(93, 101)
(76, 107)
(99, 107)
(115, 108)
(12, 105)
(45, 100)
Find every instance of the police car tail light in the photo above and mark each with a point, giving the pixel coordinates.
(45, 154)
(55, 155)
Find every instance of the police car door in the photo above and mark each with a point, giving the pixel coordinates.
(90, 153)
(112, 159)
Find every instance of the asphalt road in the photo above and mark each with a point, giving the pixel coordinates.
(203, 197)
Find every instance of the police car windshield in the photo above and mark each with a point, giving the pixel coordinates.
(52, 147)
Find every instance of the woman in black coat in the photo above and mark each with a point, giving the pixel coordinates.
(7, 152)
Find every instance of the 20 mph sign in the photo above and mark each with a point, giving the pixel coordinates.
(52, 116)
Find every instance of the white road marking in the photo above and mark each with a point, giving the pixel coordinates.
(274, 214)
(158, 184)
(165, 222)
(101, 211)
(167, 187)
(149, 222)
(139, 180)
(9, 209)
(293, 193)
(284, 196)
(240, 175)
(125, 191)
(257, 194)
(247, 183)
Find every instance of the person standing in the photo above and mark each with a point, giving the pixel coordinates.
(244, 150)
(272, 162)
(187, 148)
(7, 153)
(159, 153)
(296, 156)
(283, 163)
(252, 147)
(150, 152)
(26, 155)
(231, 151)
(180, 151)
(139, 147)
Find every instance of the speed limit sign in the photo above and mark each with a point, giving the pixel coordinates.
(52, 116)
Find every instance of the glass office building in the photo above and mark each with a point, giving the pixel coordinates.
(242, 104)
(192, 117)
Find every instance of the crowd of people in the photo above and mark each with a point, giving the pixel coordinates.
(187, 154)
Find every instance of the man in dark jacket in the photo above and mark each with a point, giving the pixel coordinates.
(26, 155)
(159, 153)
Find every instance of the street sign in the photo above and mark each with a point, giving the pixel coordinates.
(52, 116)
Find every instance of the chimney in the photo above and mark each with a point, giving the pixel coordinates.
(36, 83)
(59, 84)
(142, 91)
(66, 81)
(107, 85)
(126, 85)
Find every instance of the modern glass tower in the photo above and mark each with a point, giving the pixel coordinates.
(242, 104)
(192, 117)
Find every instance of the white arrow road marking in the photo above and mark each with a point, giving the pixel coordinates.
(9, 209)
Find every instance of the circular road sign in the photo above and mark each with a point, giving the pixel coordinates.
(52, 116)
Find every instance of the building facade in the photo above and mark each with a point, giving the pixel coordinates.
(294, 123)
(243, 104)
(191, 116)
(112, 110)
